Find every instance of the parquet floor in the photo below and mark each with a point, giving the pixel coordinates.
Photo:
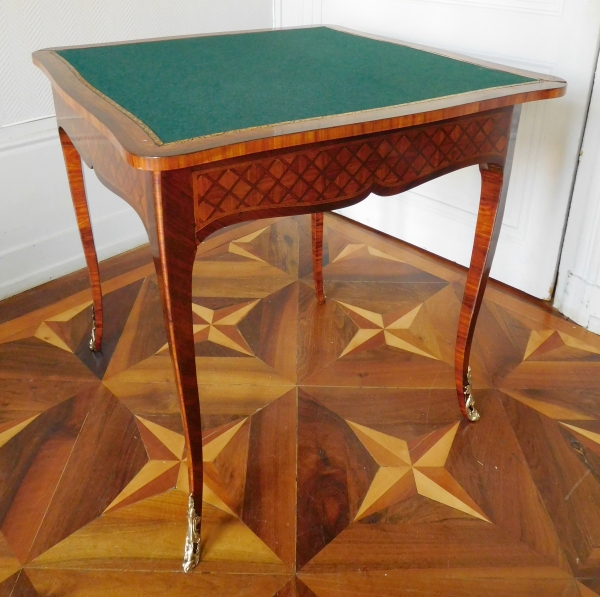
(337, 463)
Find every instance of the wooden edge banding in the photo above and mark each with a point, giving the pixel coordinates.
(139, 150)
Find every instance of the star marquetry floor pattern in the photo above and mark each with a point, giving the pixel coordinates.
(336, 460)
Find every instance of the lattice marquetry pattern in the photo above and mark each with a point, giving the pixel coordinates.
(345, 169)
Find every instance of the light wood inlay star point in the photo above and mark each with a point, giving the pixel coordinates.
(400, 476)
(219, 326)
(374, 331)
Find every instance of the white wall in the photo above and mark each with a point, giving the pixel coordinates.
(578, 288)
(558, 37)
(38, 233)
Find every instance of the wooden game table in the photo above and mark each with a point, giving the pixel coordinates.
(200, 132)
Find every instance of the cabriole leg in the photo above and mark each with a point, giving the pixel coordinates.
(317, 255)
(494, 188)
(491, 207)
(77, 186)
(173, 247)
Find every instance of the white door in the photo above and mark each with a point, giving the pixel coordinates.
(558, 37)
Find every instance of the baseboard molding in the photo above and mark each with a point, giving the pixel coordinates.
(579, 300)
(25, 134)
(39, 240)
(61, 253)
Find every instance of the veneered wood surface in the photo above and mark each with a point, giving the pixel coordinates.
(331, 175)
(95, 471)
(491, 207)
(494, 190)
(77, 187)
(173, 246)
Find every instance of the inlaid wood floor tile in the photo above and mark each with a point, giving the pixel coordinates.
(148, 535)
(375, 266)
(9, 565)
(336, 460)
(521, 517)
(404, 413)
(458, 540)
(145, 399)
(498, 582)
(381, 341)
(117, 307)
(133, 583)
(143, 334)
(18, 585)
(222, 273)
(211, 370)
(107, 454)
(156, 476)
(586, 587)
(405, 253)
(26, 398)
(294, 588)
(270, 492)
(35, 358)
(7, 585)
(9, 429)
(567, 475)
(335, 472)
(384, 365)
(32, 463)
(548, 374)
(501, 340)
(551, 408)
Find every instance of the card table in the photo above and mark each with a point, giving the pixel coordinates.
(200, 132)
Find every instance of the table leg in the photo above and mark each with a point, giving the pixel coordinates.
(77, 186)
(491, 208)
(317, 255)
(173, 246)
(494, 188)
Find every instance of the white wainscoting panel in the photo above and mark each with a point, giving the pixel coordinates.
(546, 36)
(551, 7)
(578, 288)
(296, 13)
(39, 240)
(38, 235)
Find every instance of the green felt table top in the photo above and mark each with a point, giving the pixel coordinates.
(186, 88)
